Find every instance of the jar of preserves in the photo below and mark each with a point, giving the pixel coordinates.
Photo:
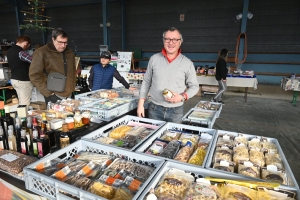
(70, 121)
(86, 115)
(77, 119)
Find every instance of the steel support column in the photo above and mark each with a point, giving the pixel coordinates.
(123, 23)
(243, 30)
(106, 29)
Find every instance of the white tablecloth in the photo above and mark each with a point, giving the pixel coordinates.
(231, 81)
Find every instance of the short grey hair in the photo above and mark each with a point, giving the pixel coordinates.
(171, 30)
(59, 31)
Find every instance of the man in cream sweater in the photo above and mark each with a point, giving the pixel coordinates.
(170, 70)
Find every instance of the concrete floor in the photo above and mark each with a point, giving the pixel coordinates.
(268, 112)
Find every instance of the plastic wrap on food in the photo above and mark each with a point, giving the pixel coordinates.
(206, 105)
(63, 174)
(204, 141)
(240, 153)
(273, 176)
(123, 193)
(135, 131)
(234, 192)
(274, 159)
(157, 147)
(224, 165)
(110, 181)
(269, 146)
(241, 139)
(256, 156)
(14, 162)
(198, 156)
(186, 137)
(106, 140)
(132, 140)
(254, 143)
(96, 173)
(223, 153)
(249, 169)
(122, 174)
(135, 170)
(119, 132)
(171, 149)
(170, 135)
(174, 184)
(88, 169)
(102, 190)
(132, 184)
(95, 157)
(185, 152)
(225, 140)
(200, 191)
(83, 183)
(144, 134)
(53, 164)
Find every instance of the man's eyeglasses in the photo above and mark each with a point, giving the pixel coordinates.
(174, 40)
(61, 43)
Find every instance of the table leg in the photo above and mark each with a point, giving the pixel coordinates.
(294, 100)
(246, 93)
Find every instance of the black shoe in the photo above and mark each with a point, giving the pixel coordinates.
(213, 100)
(222, 102)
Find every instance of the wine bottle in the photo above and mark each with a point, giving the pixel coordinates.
(12, 140)
(24, 146)
(34, 142)
(2, 142)
(64, 136)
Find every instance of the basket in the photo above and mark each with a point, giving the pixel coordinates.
(197, 173)
(198, 122)
(49, 187)
(218, 112)
(174, 126)
(290, 177)
(103, 131)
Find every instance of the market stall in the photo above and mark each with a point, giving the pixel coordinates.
(231, 82)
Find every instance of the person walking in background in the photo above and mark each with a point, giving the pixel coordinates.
(102, 75)
(19, 61)
(50, 58)
(170, 70)
(221, 73)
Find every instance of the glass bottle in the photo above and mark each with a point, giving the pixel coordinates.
(86, 117)
(43, 146)
(44, 121)
(70, 121)
(24, 127)
(77, 80)
(12, 143)
(77, 119)
(51, 135)
(8, 120)
(2, 142)
(24, 146)
(84, 83)
(80, 80)
(18, 134)
(2, 116)
(34, 142)
(29, 126)
(64, 137)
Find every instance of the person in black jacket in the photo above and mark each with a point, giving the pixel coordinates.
(221, 73)
(19, 61)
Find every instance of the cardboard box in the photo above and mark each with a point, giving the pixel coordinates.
(12, 107)
(38, 105)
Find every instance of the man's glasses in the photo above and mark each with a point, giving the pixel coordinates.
(167, 40)
(61, 43)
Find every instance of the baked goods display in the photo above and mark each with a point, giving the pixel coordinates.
(125, 135)
(103, 175)
(181, 146)
(180, 184)
(250, 155)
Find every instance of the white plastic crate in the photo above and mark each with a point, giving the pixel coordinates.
(49, 187)
(197, 173)
(103, 131)
(108, 115)
(290, 177)
(218, 112)
(208, 123)
(180, 127)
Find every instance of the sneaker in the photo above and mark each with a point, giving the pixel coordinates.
(222, 102)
